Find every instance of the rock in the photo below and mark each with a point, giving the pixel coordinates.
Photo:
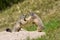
(35, 34)
(21, 35)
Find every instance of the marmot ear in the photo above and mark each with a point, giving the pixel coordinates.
(22, 16)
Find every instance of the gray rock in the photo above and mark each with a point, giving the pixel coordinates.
(21, 35)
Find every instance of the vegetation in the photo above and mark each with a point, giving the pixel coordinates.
(8, 3)
(47, 10)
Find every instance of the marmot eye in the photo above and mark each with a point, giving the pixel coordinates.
(24, 19)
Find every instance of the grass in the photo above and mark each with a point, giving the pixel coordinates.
(47, 10)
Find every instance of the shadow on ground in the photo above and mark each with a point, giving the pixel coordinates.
(8, 3)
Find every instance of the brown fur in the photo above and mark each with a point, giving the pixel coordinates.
(33, 18)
